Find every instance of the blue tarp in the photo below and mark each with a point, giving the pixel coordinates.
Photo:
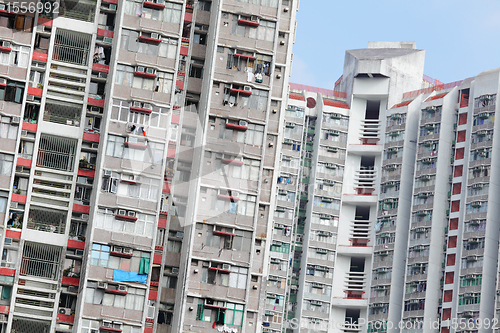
(125, 276)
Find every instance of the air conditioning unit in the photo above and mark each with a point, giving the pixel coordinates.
(79, 252)
(226, 266)
(85, 217)
(64, 311)
(107, 323)
(235, 194)
(107, 173)
(112, 6)
(137, 104)
(6, 43)
(15, 120)
(3, 81)
(95, 109)
(24, 133)
(122, 287)
(468, 295)
(147, 106)
(107, 40)
(131, 213)
(13, 204)
(118, 249)
(316, 303)
(127, 250)
(288, 141)
(155, 35)
(140, 68)
(175, 270)
(247, 88)
(30, 98)
(94, 145)
(243, 123)
(282, 42)
(150, 70)
(2, 6)
(8, 241)
(102, 285)
(286, 9)
(102, 75)
(73, 289)
(122, 212)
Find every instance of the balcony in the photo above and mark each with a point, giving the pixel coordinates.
(47, 220)
(370, 131)
(40, 260)
(360, 231)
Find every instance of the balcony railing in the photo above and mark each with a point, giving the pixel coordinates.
(83, 10)
(40, 260)
(46, 220)
(355, 284)
(56, 153)
(370, 132)
(72, 47)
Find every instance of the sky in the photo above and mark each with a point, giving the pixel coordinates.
(460, 38)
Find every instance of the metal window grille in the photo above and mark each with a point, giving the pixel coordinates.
(56, 153)
(29, 325)
(40, 260)
(67, 113)
(83, 10)
(47, 220)
(72, 47)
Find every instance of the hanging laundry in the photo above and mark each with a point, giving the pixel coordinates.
(138, 10)
(250, 76)
(258, 77)
(266, 68)
(258, 69)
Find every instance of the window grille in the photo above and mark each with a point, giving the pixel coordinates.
(28, 325)
(40, 260)
(72, 47)
(56, 153)
(47, 220)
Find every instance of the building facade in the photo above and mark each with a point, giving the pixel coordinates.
(138, 145)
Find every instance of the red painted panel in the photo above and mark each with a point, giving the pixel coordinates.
(146, 39)
(179, 84)
(452, 242)
(18, 198)
(81, 208)
(86, 173)
(111, 1)
(459, 154)
(96, 102)
(24, 162)
(69, 281)
(459, 169)
(154, 5)
(450, 259)
(35, 91)
(92, 137)
(100, 68)
(12, 234)
(4, 309)
(446, 313)
(166, 188)
(461, 136)
(454, 223)
(176, 118)
(188, 17)
(462, 119)
(148, 330)
(153, 295)
(297, 97)
(162, 223)
(75, 244)
(144, 74)
(457, 188)
(157, 259)
(455, 206)
(30, 127)
(45, 21)
(40, 56)
(65, 318)
(105, 33)
(336, 104)
(448, 296)
(184, 50)
(171, 153)
(449, 277)
(5, 49)
(7, 271)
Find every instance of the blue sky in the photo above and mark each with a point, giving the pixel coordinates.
(461, 38)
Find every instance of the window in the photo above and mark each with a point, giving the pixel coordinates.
(18, 56)
(174, 246)
(204, 5)
(144, 225)
(18, 22)
(171, 13)
(6, 163)
(196, 71)
(166, 49)
(326, 203)
(222, 313)
(265, 31)
(152, 154)
(164, 83)
(133, 300)
(4, 197)
(254, 135)
(13, 92)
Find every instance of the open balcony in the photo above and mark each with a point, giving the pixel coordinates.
(47, 220)
(370, 131)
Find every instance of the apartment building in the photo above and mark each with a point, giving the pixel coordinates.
(385, 200)
(139, 144)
